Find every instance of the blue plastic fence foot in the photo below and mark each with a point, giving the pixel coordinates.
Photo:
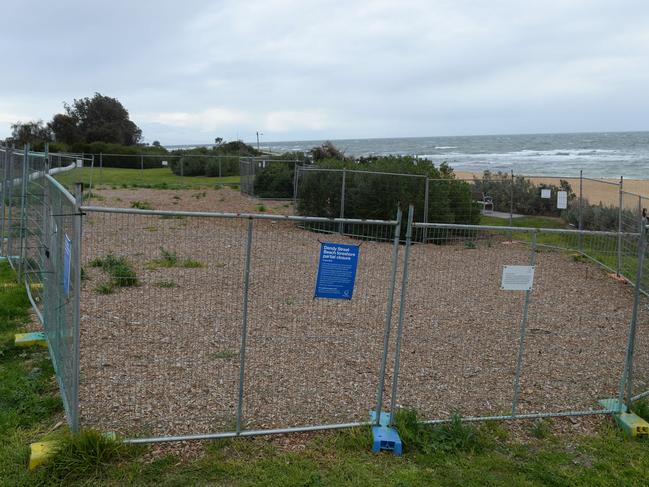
(384, 437)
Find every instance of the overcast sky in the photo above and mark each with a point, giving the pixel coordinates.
(192, 70)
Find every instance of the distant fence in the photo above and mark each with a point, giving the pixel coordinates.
(41, 232)
(172, 325)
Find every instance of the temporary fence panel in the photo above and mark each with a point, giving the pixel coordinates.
(207, 324)
(267, 177)
(471, 347)
(61, 283)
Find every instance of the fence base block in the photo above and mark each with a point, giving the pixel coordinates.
(634, 426)
(384, 437)
(39, 452)
(30, 339)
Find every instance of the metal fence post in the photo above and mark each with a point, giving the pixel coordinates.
(341, 228)
(511, 200)
(142, 165)
(182, 167)
(219, 159)
(244, 324)
(23, 212)
(426, 195)
(511, 206)
(626, 384)
(388, 317)
(402, 310)
(76, 297)
(619, 228)
(581, 210)
(296, 176)
(3, 198)
(101, 167)
(10, 196)
(521, 343)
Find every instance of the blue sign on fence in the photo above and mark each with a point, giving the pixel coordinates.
(67, 250)
(336, 271)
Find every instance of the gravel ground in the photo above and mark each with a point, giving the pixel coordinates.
(163, 357)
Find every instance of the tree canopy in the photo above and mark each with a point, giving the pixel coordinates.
(35, 132)
(97, 119)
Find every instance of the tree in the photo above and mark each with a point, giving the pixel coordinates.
(156, 143)
(65, 128)
(97, 119)
(34, 133)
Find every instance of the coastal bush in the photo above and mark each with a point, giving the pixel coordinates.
(526, 195)
(377, 196)
(275, 180)
(596, 217)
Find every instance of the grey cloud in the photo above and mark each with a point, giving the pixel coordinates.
(192, 70)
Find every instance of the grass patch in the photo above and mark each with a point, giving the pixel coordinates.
(170, 259)
(165, 284)
(141, 205)
(171, 217)
(225, 354)
(88, 454)
(119, 269)
(157, 178)
(641, 408)
(525, 221)
(261, 208)
(105, 288)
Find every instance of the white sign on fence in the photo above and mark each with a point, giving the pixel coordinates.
(517, 278)
(546, 194)
(79, 162)
(165, 163)
(562, 200)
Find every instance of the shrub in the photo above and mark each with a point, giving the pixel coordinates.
(275, 180)
(377, 196)
(596, 217)
(141, 205)
(119, 269)
(526, 195)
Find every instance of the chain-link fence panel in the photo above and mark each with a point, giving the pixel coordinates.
(61, 283)
(199, 325)
(473, 345)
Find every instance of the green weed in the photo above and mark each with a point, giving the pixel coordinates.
(191, 264)
(85, 455)
(225, 354)
(541, 429)
(165, 284)
(141, 205)
(105, 288)
(641, 408)
(119, 269)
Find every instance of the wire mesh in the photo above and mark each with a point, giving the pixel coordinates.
(162, 350)
(463, 333)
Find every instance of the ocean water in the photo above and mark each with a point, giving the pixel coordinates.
(599, 155)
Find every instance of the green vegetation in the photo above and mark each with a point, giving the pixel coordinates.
(169, 259)
(158, 178)
(377, 196)
(141, 205)
(454, 454)
(526, 195)
(119, 269)
(165, 284)
(210, 166)
(524, 221)
(225, 354)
